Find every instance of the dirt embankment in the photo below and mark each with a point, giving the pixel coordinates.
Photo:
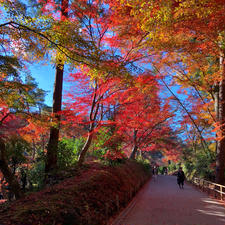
(89, 198)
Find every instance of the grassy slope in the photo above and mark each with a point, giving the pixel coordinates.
(90, 197)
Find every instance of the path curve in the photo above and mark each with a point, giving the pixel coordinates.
(161, 202)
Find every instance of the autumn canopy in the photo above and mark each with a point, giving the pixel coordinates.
(140, 79)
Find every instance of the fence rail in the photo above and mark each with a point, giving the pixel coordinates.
(217, 190)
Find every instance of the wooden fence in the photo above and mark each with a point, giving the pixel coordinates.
(217, 190)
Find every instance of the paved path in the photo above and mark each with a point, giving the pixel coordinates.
(161, 202)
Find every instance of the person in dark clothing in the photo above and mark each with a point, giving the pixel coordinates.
(23, 179)
(154, 173)
(165, 170)
(180, 178)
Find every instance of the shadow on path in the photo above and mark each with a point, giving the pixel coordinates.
(162, 202)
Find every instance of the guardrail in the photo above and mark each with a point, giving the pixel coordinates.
(217, 190)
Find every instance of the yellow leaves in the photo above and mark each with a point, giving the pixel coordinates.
(60, 58)
(212, 147)
(151, 14)
(188, 8)
(2, 76)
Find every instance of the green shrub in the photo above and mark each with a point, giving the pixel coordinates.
(68, 151)
(36, 175)
(199, 164)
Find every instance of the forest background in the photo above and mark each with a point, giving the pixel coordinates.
(146, 82)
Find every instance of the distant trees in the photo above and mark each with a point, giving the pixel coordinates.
(117, 55)
(16, 101)
(187, 39)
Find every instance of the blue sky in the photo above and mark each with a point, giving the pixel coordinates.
(45, 77)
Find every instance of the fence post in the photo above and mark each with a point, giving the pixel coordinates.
(210, 187)
(215, 191)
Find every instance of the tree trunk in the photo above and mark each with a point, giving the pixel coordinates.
(216, 105)
(133, 153)
(220, 158)
(92, 120)
(7, 173)
(135, 148)
(85, 148)
(52, 149)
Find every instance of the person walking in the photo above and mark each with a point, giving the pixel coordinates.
(180, 178)
(154, 173)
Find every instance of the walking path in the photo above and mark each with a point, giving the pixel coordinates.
(161, 202)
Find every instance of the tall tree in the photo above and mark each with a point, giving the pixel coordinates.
(51, 161)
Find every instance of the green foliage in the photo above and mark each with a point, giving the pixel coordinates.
(36, 175)
(160, 170)
(107, 147)
(102, 144)
(145, 163)
(99, 147)
(35, 94)
(172, 167)
(114, 162)
(17, 151)
(69, 150)
(10, 65)
(199, 163)
(19, 96)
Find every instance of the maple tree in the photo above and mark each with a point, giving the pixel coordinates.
(37, 42)
(130, 107)
(208, 31)
(89, 103)
(188, 37)
(142, 119)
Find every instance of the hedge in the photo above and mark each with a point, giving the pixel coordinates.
(90, 198)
